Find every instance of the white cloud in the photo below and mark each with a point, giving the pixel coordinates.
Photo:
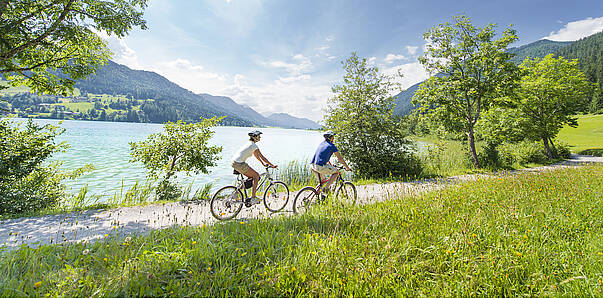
(390, 58)
(299, 66)
(412, 50)
(371, 61)
(412, 74)
(578, 29)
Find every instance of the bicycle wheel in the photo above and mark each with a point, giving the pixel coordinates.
(276, 196)
(346, 193)
(226, 203)
(305, 198)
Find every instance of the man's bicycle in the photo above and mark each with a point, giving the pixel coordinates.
(345, 192)
(228, 201)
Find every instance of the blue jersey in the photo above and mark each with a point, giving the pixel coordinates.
(323, 153)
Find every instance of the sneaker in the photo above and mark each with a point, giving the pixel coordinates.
(253, 201)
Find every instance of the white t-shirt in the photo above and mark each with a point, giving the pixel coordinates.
(245, 152)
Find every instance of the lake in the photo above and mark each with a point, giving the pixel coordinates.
(106, 146)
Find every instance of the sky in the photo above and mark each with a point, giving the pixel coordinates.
(283, 56)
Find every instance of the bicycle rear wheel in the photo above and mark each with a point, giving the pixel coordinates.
(226, 203)
(304, 199)
(346, 193)
(276, 196)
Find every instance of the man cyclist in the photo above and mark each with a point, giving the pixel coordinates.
(320, 163)
(239, 164)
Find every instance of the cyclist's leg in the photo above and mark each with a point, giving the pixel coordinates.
(251, 173)
(330, 170)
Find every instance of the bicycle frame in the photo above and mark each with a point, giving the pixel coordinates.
(265, 181)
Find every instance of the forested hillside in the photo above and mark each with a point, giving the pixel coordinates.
(170, 102)
(589, 52)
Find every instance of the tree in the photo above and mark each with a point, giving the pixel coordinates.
(180, 147)
(361, 115)
(551, 91)
(472, 71)
(48, 45)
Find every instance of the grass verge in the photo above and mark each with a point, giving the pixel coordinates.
(529, 234)
(587, 138)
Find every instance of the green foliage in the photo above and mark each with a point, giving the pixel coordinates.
(367, 134)
(472, 71)
(27, 185)
(552, 90)
(589, 53)
(182, 147)
(525, 235)
(47, 46)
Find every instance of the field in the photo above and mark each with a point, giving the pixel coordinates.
(528, 234)
(587, 138)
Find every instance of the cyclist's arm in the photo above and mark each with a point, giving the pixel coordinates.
(338, 155)
(262, 159)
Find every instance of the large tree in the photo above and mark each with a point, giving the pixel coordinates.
(49, 44)
(361, 115)
(552, 90)
(472, 69)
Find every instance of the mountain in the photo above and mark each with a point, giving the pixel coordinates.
(242, 111)
(166, 101)
(568, 49)
(288, 121)
(538, 49)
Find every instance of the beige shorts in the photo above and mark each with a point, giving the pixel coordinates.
(325, 170)
(241, 167)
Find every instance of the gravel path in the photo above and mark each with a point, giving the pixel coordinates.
(92, 225)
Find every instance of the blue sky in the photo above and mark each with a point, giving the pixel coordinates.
(284, 56)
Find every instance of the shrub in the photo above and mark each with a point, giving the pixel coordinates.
(522, 153)
(27, 185)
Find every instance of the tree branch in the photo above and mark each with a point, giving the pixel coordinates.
(46, 33)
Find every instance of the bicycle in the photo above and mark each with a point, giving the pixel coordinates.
(228, 201)
(345, 191)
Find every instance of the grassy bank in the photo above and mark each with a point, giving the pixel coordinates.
(587, 138)
(527, 234)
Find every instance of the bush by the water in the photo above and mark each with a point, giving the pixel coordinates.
(26, 184)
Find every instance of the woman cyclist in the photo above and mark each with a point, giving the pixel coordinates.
(239, 164)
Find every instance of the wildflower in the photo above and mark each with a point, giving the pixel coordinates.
(293, 269)
(105, 259)
(106, 235)
(86, 251)
(38, 284)
(194, 242)
(242, 222)
(128, 239)
(243, 254)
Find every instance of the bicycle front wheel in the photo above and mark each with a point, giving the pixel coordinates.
(276, 196)
(346, 193)
(304, 199)
(226, 203)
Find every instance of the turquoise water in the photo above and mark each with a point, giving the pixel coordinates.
(105, 145)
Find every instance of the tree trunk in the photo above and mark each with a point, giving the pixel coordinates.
(547, 148)
(554, 150)
(472, 148)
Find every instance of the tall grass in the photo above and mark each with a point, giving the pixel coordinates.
(530, 234)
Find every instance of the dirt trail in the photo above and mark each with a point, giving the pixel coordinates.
(97, 224)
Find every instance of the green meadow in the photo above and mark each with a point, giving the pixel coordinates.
(587, 138)
(524, 234)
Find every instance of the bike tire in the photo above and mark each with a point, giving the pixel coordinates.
(226, 203)
(346, 193)
(305, 198)
(276, 196)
